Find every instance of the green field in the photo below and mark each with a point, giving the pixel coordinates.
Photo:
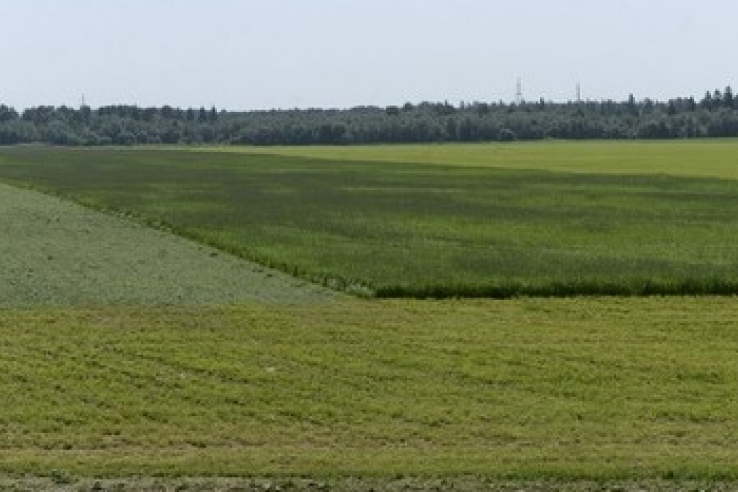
(701, 158)
(527, 389)
(503, 220)
(135, 359)
(55, 253)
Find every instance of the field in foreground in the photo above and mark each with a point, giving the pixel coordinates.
(67, 483)
(545, 219)
(524, 389)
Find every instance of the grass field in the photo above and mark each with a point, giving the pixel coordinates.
(55, 253)
(136, 360)
(515, 221)
(689, 158)
(528, 389)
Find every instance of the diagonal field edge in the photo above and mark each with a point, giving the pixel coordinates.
(54, 252)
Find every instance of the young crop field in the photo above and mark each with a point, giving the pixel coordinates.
(533, 389)
(546, 219)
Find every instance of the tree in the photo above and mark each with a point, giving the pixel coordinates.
(713, 116)
(632, 106)
(58, 133)
(507, 135)
(672, 110)
(7, 114)
(17, 131)
(728, 99)
(393, 111)
(706, 102)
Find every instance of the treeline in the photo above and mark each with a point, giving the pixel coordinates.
(714, 115)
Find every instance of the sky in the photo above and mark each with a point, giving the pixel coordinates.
(264, 54)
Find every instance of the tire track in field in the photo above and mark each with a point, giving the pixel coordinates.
(54, 252)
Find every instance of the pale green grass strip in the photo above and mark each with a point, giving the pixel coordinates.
(57, 253)
(705, 158)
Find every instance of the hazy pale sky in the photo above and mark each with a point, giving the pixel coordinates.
(262, 54)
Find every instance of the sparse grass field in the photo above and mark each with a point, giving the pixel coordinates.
(545, 219)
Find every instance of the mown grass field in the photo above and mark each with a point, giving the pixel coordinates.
(503, 220)
(56, 253)
(596, 389)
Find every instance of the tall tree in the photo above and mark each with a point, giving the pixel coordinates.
(728, 99)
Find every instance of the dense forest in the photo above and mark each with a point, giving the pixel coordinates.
(714, 115)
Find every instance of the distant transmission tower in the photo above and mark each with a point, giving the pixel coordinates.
(579, 92)
(519, 93)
